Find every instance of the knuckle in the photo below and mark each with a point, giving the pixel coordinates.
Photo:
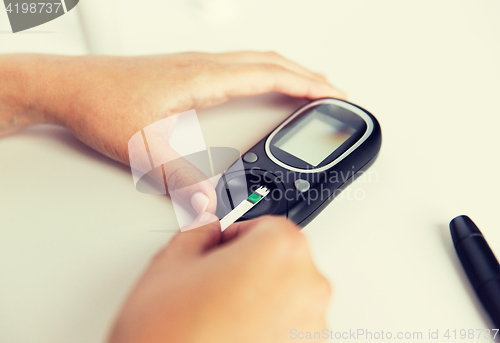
(189, 54)
(300, 249)
(319, 295)
(324, 289)
(298, 243)
(273, 230)
(205, 66)
(280, 226)
(274, 75)
(274, 68)
(273, 54)
(286, 237)
(246, 53)
(196, 63)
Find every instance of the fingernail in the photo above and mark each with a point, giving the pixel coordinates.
(205, 218)
(199, 201)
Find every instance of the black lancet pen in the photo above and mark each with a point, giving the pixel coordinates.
(479, 263)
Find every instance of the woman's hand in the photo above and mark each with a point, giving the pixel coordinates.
(105, 100)
(255, 282)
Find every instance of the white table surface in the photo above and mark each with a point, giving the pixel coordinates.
(75, 234)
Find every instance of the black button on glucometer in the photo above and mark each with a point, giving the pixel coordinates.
(250, 157)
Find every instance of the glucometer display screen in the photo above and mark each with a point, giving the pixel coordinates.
(315, 137)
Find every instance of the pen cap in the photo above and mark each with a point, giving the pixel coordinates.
(462, 227)
(476, 257)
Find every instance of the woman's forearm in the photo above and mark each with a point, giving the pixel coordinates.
(28, 92)
(17, 89)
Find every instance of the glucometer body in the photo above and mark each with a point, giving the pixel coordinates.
(304, 163)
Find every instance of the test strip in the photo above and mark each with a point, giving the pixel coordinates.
(245, 206)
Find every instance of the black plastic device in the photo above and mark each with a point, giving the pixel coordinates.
(480, 264)
(305, 162)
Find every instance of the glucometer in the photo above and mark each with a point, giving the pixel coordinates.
(302, 165)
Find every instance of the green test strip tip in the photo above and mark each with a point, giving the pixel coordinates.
(254, 197)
